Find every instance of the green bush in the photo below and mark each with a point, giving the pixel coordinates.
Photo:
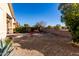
(70, 16)
(49, 27)
(57, 27)
(20, 30)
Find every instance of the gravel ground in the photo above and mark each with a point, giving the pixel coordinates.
(44, 45)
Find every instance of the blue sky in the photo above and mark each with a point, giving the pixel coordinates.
(31, 13)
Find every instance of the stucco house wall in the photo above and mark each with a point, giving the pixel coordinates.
(4, 10)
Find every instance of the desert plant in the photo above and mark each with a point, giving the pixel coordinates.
(5, 47)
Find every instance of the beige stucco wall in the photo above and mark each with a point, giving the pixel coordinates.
(4, 9)
(2, 24)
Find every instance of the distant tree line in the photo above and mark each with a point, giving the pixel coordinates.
(38, 27)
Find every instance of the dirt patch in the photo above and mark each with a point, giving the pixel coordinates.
(46, 45)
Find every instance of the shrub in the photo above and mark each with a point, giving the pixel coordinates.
(49, 27)
(70, 16)
(57, 27)
(22, 29)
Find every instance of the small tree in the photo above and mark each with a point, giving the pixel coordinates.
(27, 27)
(70, 16)
(40, 25)
(49, 26)
(57, 27)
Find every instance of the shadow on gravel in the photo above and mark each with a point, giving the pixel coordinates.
(48, 46)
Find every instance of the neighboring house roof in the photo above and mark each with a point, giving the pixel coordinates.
(11, 10)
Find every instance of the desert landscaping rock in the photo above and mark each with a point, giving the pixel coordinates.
(45, 45)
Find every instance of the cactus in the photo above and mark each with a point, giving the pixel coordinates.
(5, 47)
